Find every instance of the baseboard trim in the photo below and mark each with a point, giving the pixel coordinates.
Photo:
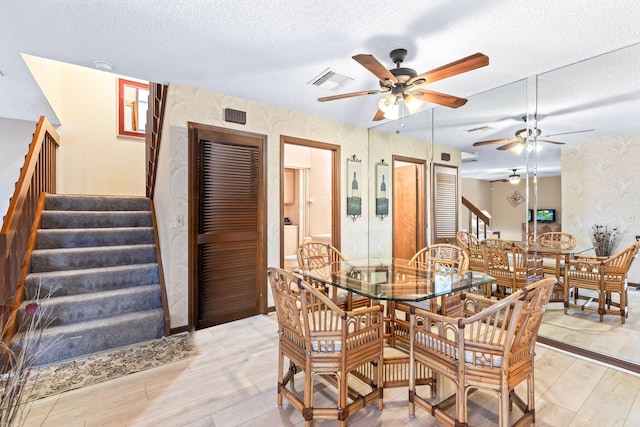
(590, 354)
(180, 329)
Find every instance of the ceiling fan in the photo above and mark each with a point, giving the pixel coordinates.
(518, 142)
(514, 178)
(404, 84)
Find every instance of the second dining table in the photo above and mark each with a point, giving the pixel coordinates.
(392, 280)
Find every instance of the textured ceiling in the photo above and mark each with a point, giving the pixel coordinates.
(268, 51)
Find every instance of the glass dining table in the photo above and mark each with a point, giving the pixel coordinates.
(558, 256)
(390, 281)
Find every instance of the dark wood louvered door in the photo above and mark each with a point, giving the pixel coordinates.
(228, 223)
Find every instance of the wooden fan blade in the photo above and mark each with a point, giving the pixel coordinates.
(379, 115)
(439, 98)
(454, 68)
(500, 180)
(375, 67)
(349, 95)
(492, 141)
(567, 133)
(510, 145)
(552, 142)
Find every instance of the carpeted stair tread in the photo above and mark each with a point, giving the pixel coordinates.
(83, 258)
(90, 237)
(96, 272)
(84, 307)
(95, 219)
(58, 343)
(70, 282)
(66, 202)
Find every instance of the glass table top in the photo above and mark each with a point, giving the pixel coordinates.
(392, 279)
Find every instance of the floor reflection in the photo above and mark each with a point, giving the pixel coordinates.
(583, 329)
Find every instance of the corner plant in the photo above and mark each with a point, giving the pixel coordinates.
(605, 239)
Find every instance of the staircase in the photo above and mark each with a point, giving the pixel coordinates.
(97, 257)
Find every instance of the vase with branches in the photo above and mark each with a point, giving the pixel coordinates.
(605, 239)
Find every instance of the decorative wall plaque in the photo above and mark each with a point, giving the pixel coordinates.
(354, 187)
(515, 198)
(382, 182)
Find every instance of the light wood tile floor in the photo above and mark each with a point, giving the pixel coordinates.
(584, 329)
(232, 382)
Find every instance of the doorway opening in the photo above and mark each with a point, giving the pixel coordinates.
(309, 195)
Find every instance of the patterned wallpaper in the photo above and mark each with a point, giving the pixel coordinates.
(601, 185)
(187, 104)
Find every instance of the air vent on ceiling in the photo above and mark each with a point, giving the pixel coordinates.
(330, 80)
(479, 129)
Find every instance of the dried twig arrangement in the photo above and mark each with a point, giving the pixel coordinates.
(605, 239)
(18, 358)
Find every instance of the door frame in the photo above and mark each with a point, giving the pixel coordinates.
(335, 187)
(421, 199)
(192, 207)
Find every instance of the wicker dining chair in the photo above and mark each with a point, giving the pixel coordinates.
(603, 277)
(314, 254)
(511, 265)
(324, 341)
(444, 259)
(491, 347)
(471, 245)
(553, 265)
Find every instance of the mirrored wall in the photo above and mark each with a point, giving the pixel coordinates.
(581, 160)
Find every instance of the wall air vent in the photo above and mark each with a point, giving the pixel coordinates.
(235, 116)
(330, 80)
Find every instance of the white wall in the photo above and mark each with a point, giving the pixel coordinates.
(507, 218)
(14, 145)
(92, 159)
(601, 185)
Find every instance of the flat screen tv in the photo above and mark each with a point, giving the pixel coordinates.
(546, 215)
(542, 215)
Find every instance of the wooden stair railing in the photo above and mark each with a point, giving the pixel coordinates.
(478, 213)
(155, 119)
(37, 176)
(153, 136)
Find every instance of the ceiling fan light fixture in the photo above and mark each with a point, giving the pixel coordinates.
(394, 112)
(413, 104)
(386, 104)
(517, 149)
(514, 178)
(523, 133)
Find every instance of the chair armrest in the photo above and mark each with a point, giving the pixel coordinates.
(361, 310)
